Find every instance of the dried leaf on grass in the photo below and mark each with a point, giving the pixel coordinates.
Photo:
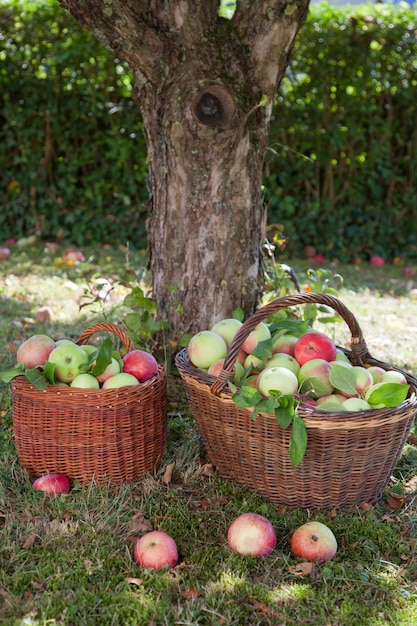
(208, 470)
(138, 524)
(167, 478)
(301, 569)
(134, 581)
(30, 540)
(396, 500)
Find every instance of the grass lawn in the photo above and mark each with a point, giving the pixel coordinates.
(68, 560)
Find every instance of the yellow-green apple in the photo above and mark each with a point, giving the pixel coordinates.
(70, 360)
(123, 379)
(34, 352)
(277, 379)
(260, 333)
(314, 541)
(363, 378)
(356, 404)
(314, 345)
(112, 368)
(155, 550)
(227, 328)
(52, 484)
(254, 361)
(205, 348)
(252, 534)
(85, 381)
(141, 364)
(314, 377)
(337, 398)
(285, 344)
(376, 372)
(282, 359)
(393, 376)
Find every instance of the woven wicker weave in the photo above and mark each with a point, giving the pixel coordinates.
(350, 456)
(115, 434)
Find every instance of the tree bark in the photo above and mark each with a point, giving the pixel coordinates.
(205, 87)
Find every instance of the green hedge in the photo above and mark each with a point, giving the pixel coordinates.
(73, 162)
(342, 165)
(344, 174)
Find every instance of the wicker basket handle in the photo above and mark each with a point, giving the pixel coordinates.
(359, 349)
(106, 327)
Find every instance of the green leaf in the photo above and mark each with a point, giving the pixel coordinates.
(238, 314)
(298, 440)
(266, 405)
(342, 377)
(264, 100)
(8, 375)
(284, 416)
(49, 371)
(247, 397)
(263, 350)
(37, 378)
(389, 394)
(103, 357)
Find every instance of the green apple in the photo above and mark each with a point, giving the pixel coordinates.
(70, 360)
(260, 333)
(205, 348)
(392, 376)
(85, 381)
(123, 379)
(282, 359)
(277, 379)
(227, 328)
(313, 377)
(356, 404)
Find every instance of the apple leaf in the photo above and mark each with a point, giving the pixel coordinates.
(49, 371)
(343, 378)
(247, 397)
(37, 378)
(266, 405)
(298, 440)
(8, 375)
(284, 416)
(116, 355)
(290, 327)
(103, 357)
(263, 350)
(390, 394)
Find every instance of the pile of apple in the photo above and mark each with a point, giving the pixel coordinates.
(310, 367)
(73, 365)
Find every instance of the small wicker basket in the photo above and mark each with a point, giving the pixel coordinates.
(349, 457)
(114, 434)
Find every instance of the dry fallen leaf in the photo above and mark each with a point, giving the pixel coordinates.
(190, 594)
(134, 581)
(396, 500)
(168, 473)
(139, 524)
(30, 540)
(301, 569)
(365, 506)
(208, 470)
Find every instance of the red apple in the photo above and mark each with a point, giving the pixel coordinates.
(154, 550)
(4, 253)
(314, 541)
(376, 260)
(52, 484)
(314, 345)
(409, 272)
(140, 364)
(35, 351)
(252, 534)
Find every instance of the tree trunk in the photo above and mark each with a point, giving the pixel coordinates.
(205, 87)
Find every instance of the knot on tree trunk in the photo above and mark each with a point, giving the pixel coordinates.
(213, 106)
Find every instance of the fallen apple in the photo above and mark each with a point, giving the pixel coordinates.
(314, 345)
(252, 534)
(205, 348)
(314, 541)
(52, 484)
(376, 260)
(154, 550)
(140, 364)
(34, 352)
(123, 379)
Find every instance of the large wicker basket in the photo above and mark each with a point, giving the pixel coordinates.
(350, 456)
(115, 434)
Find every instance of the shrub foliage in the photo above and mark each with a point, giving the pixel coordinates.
(341, 165)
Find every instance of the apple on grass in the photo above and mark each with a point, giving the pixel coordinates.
(314, 345)
(34, 352)
(205, 348)
(314, 541)
(52, 484)
(140, 364)
(70, 360)
(155, 550)
(252, 534)
(122, 379)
